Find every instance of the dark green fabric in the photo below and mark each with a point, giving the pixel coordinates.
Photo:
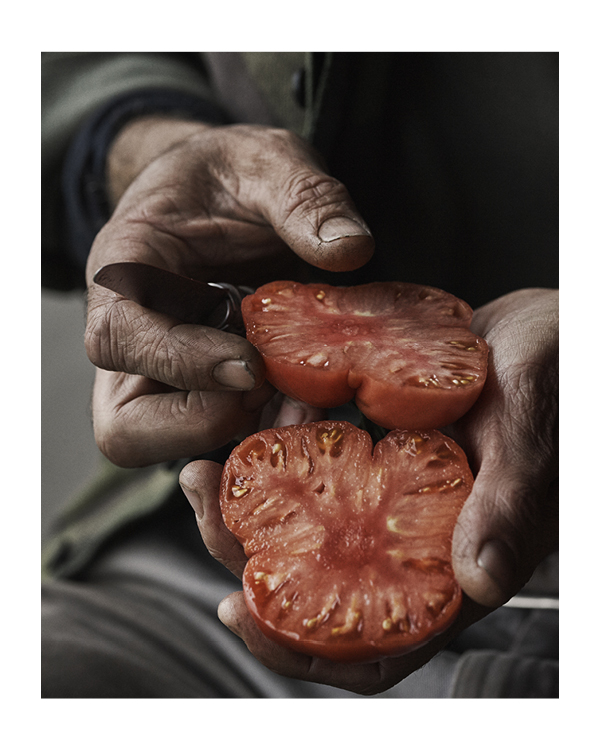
(115, 500)
(73, 86)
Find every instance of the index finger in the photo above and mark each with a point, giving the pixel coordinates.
(123, 336)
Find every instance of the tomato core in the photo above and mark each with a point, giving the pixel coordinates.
(348, 544)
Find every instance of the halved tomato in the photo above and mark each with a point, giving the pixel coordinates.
(349, 546)
(403, 351)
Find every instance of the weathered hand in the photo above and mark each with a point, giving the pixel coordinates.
(510, 435)
(200, 482)
(239, 204)
(510, 521)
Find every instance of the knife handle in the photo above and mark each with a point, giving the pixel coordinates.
(212, 304)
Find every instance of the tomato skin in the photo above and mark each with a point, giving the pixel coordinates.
(349, 546)
(404, 352)
(412, 406)
(328, 389)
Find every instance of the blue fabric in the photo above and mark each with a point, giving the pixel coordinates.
(83, 179)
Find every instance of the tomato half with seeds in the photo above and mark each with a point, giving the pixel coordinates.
(404, 352)
(349, 546)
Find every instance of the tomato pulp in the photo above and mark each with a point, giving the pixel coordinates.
(349, 546)
(404, 352)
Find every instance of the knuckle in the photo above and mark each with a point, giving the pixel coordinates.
(310, 192)
(149, 352)
(114, 431)
(118, 337)
(96, 334)
(113, 438)
(513, 508)
(170, 357)
(109, 443)
(101, 334)
(107, 448)
(120, 448)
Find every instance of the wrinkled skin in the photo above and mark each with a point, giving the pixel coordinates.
(239, 204)
(221, 204)
(511, 439)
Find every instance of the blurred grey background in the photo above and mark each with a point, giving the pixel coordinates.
(69, 453)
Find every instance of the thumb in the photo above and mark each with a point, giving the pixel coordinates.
(510, 521)
(332, 237)
(311, 212)
(317, 219)
(505, 529)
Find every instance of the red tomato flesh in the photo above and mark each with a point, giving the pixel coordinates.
(349, 546)
(404, 352)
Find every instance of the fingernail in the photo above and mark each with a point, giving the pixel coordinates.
(498, 560)
(340, 227)
(194, 499)
(234, 374)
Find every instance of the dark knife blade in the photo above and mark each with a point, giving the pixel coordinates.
(211, 304)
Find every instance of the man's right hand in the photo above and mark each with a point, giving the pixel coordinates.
(239, 204)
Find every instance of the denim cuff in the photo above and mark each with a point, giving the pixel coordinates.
(83, 177)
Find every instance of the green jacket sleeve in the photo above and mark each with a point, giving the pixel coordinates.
(75, 85)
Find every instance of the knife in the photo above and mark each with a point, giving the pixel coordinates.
(212, 304)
